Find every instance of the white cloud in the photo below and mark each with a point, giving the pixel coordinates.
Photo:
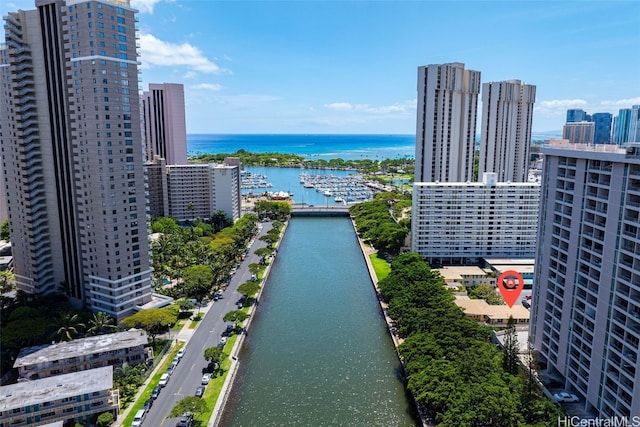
(144, 6)
(559, 107)
(156, 52)
(207, 86)
(563, 104)
(615, 105)
(401, 107)
(340, 106)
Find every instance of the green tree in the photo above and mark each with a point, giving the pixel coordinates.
(4, 230)
(261, 252)
(6, 281)
(154, 321)
(166, 225)
(254, 268)
(68, 326)
(487, 293)
(215, 355)
(192, 404)
(101, 323)
(185, 304)
(235, 316)
(198, 280)
(104, 420)
(510, 361)
(249, 288)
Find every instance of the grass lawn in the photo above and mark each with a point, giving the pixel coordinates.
(151, 385)
(381, 266)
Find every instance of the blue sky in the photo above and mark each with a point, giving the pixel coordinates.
(350, 66)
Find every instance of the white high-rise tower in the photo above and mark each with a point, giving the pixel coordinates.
(507, 112)
(446, 123)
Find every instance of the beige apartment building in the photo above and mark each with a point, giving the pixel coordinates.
(71, 139)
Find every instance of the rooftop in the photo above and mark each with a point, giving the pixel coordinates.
(453, 273)
(64, 350)
(28, 393)
(479, 307)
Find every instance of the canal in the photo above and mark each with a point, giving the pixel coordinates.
(318, 352)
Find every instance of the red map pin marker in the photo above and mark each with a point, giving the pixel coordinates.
(510, 284)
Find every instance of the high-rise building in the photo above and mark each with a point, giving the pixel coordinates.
(579, 132)
(461, 223)
(577, 115)
(199, 190)
(165, 129)
(157, 190)
(602, 122)
(71, 147)
(446, 123)
(621, 125)
(634, 125)
(586, 304)
(507, 112)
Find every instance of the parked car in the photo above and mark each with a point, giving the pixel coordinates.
(138, 418)
(200, 391)
(565, 397)
(223, 342)
(228, 330)
(180, 353)
(164, 379)
(171, 368)
(147, 404)
(185, 420)
(156, 392)
(205, 379)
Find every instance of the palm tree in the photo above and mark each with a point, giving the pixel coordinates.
(68, 326)
(101, 323)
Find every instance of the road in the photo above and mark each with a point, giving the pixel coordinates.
(187, 375)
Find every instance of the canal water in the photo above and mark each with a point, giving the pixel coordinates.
(318, 352)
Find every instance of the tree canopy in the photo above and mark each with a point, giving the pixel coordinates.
(154, 320)
(192, 404)
(235, 316)
(453, 370)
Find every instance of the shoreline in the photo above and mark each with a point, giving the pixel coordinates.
(366, 252)
(221, 402)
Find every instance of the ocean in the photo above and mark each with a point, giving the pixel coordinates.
(321, 146)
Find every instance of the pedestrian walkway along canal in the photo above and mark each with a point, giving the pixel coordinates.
(318, 352)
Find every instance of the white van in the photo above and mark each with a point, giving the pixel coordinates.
(164, 379)
(137, 420)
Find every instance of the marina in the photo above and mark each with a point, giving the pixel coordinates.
(343, 189)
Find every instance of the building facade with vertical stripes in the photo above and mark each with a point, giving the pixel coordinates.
(165, 129)
(72, 153)
(446, 123)
(507, 113)
(585, 322)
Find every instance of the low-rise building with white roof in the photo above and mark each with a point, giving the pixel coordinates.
(82, 354)
(70, 397)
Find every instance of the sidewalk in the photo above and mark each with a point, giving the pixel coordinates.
(184, 335)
